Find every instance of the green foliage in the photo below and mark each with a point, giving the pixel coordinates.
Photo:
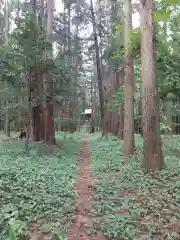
(9, 67)
(135, 42)
(130, 203)
(167, 50)
(161, 15)
(17, 229)
(117, 37)
(37, 185)
(118, 98)
(118, 27)
(172, 2)
(31, 40)
(25, 50)
(26, 53)
(164, 128)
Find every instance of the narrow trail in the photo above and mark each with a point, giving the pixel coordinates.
(84, 196)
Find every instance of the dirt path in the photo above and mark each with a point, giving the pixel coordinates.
(84, 197)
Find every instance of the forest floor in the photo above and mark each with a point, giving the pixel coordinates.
(130, 204)
(74, 194)
(37, 187)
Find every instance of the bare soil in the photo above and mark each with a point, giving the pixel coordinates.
(84, 197)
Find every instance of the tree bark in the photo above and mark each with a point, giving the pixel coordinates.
(6, 37)
(49, 125)
(153, 157)
(120, 83)
(121, 123)
(48, 84)
(36, 123)
(36, 80)
(129, 145)
(120, 79)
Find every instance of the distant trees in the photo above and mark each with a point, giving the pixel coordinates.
(99, 72)
(45, 82)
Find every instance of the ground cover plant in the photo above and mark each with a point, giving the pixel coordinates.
(36, 189)
(129, 203)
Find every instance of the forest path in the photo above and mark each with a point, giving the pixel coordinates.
(84, 190)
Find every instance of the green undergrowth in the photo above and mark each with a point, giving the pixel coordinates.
(129, 203)
(38, 189)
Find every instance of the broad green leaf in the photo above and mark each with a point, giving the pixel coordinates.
(118, 26)
(172, 2)
(161, 16)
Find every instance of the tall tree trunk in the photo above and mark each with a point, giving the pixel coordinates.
(29, 130)
(92, 107)
(6, 20)
(35, 78)
(120, 79)
(121, 123)
(129, 146)
(140, 117)
(99, 73)
(36, 123)
(120, 83)
(6, 37)
(69, 31)
(153, 157)
(48, 106)
(42, 15)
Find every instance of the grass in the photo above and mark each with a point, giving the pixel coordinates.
(37, 187)
(130, 204)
